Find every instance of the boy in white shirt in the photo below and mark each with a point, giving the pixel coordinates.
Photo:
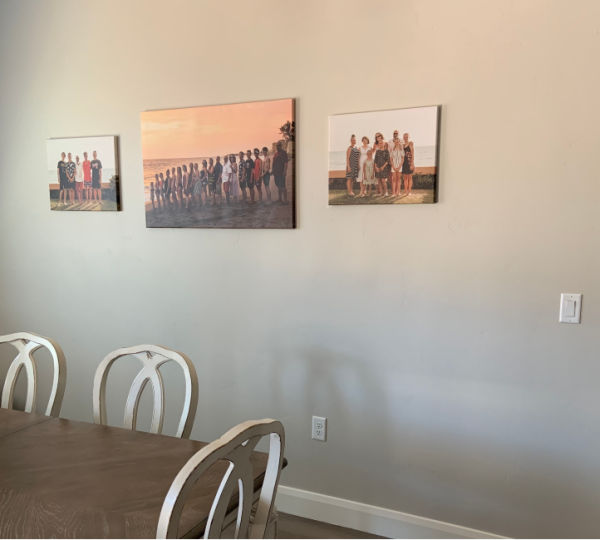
(78, 178)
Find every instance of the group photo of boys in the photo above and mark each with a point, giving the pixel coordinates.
(79, 180)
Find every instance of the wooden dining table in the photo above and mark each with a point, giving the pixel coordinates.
(66, 479)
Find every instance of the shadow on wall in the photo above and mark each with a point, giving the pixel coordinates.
(428, 445)
(307, 379)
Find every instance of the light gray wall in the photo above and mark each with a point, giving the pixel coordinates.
(427, 334)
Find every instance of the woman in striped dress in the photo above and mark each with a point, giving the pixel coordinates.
(352, 162)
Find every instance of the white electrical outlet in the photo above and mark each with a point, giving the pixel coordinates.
(319, 428)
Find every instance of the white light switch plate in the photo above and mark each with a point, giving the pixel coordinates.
(570, 308)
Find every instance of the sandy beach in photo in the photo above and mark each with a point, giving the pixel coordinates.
(417, 196)
(99, 206)
(107, 203)
(235, 215)
(338, 194)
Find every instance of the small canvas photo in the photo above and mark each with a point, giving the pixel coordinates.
(220, 166)
(384, 157)
(83, 173)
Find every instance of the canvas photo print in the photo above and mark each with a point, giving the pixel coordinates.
(221, 166)
(384, 157)
(83, 173)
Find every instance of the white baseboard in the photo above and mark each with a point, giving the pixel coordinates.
(367, 518)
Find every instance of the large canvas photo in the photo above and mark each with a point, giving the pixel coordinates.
(221, 166)
(83, 173)
(384, 157)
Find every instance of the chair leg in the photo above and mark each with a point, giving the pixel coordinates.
(271, 528)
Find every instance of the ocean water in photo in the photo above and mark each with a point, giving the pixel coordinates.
(424, 157)
(156, 166)
(107, 174)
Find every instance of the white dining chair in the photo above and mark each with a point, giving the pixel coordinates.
(152, 357)
(26, 344)
(235, 447)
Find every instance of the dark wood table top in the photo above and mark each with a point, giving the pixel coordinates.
(67, 479)
(12, 421)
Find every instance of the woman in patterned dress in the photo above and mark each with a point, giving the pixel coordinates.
(185, 179)
(382, 164)
(396, 158)
(204, 180)
(197, 190)
(180, 186)
(234, 177)
(174, 184)
(408, 164)
(189, 192)
(212, 181)
(352, 161)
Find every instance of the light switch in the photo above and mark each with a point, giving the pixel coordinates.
(570, 308)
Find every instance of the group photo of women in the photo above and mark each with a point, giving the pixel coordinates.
(382, 168)
(384, 157)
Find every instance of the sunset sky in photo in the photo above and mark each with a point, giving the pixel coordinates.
(213, 130)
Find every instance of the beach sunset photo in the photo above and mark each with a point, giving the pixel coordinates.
(384, 157)
(221, 166)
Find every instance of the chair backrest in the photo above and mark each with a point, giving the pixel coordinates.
(152, 357)
(26, 343)
(234, 447)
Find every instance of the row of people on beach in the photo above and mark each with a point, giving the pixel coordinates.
(79, 180)
(382, 166)
(237, 178)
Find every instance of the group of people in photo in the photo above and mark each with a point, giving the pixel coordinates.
(381, 167)
(81, 180)
(245, 178)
